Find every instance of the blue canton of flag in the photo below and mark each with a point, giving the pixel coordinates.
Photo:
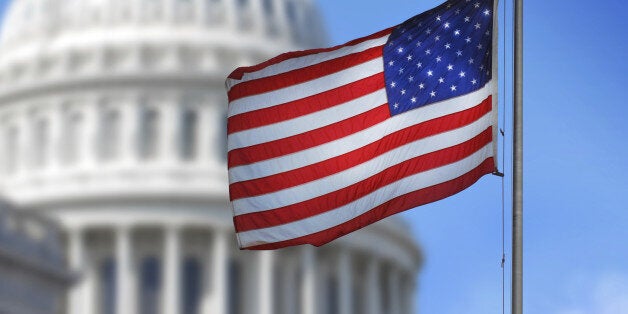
(439, 54)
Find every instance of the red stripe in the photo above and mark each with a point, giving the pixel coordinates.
(342, 162)
(311, 104)
(292, 144)
(239, 72)
(394, 206)
(298, 76)
(341, 197)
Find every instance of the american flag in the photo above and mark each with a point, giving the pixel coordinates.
(324, 142)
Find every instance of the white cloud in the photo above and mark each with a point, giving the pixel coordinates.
(607, 295)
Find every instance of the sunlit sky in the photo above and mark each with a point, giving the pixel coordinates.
(575, 168)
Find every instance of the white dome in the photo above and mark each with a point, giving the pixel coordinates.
(42, 39)
(89, 56)
(296, 20)
(112, 120)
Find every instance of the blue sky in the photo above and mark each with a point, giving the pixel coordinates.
(576, 161)
(575, 167)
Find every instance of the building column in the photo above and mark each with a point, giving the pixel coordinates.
(4, 144)
(168, 149)
(125, 275)
(171, 275)
(394, 295)
(129, 119)
(109, 14)
(281, 18)
(265, 289)
(309, 304)
(11, 143)
(201, 12)
(88, 140)
(136, 11)
(24, 157)
(298, 25)
(169, 10)
(55, 120)
(76, 259)
(258, 15)
(373, 303)
(288, 287)
(231, 14)
(216, 293)
(79, 301)
(79, 16)
(220, 136)
(409, 295)
(205, 128)
(345, 279)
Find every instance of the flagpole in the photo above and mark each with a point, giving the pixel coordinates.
(517, 178)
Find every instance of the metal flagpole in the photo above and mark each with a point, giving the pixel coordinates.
(517, 178)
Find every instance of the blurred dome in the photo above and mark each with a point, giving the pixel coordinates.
(294, 21)
(42, 39)
(113, 121)
(141, 80)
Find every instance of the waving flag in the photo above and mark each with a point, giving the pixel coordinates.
(324, 142)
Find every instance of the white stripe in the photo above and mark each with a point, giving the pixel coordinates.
(360, 172)
(360, 206)
(306, 123)
(355, 141)
(308, 60)
(306, 89)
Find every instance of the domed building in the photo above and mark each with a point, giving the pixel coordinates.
(112, 122)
